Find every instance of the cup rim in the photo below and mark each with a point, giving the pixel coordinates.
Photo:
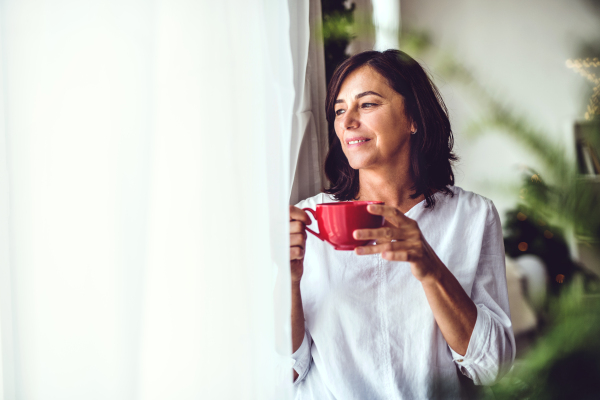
(353, 203)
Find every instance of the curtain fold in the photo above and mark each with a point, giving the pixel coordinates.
(143, 198)
(309, 125)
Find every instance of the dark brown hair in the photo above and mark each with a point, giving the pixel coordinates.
(430, 148)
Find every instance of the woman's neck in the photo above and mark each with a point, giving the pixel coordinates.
(391, 187)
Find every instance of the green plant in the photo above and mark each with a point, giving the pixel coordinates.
(565, 362)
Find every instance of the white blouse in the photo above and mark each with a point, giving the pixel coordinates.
(370, 333)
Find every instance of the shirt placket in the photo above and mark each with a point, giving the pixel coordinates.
(384, 345)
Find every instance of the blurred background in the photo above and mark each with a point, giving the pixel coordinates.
(150, 149)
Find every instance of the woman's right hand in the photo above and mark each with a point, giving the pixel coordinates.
(298, 221)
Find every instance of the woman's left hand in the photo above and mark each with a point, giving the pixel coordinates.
(408, 245)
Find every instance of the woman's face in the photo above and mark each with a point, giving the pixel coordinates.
(371, 122)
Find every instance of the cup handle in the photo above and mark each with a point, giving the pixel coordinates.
(315, 217)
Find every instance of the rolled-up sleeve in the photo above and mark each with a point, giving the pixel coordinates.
(491, 349)
(302, 358)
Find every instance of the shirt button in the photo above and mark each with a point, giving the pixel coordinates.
(461, 360)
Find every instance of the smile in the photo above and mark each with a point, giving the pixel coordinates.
(357, 141)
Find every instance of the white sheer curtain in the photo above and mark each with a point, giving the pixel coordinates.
(309, 142)
(144, 183)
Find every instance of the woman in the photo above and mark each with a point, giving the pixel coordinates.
(423, 311)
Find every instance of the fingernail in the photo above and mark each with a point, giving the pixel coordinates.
(356, 234)
(385, 254)
(360, 250)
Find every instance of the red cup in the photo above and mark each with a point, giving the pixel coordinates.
(337, 222)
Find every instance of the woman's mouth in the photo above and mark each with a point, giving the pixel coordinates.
(355, 142)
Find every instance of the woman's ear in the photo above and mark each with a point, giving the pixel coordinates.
(413, 128)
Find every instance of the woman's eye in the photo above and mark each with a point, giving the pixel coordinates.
(368, 105)
(339, 112)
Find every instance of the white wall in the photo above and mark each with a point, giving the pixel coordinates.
(518, 50)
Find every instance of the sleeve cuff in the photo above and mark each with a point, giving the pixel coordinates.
(476, 342)
(301, 358)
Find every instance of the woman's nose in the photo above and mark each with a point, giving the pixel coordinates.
(351, 120)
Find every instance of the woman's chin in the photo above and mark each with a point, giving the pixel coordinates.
(360, 164)
(356, 165)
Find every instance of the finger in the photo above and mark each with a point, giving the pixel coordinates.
(400, 255)
(386, 233)
(299, 214)
(390, 213)
(298, 239)
(297, 227)
(384, 247)
(296, 253)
